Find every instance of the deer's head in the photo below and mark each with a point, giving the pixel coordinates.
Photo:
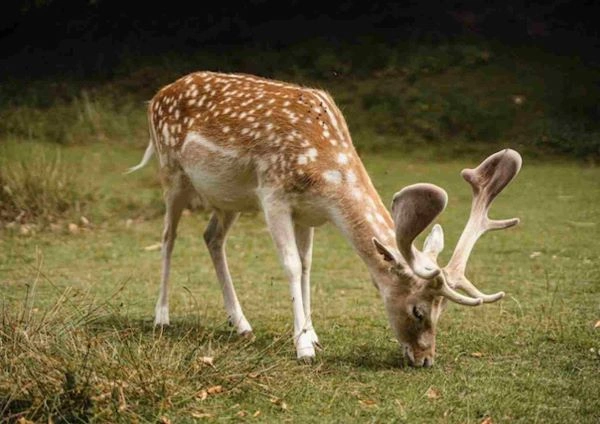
(418, 289)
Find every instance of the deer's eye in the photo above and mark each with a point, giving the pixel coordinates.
(417, 313)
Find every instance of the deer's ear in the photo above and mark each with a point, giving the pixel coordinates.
(434, 243)
(388, 255)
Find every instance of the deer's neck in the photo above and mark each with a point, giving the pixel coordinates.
(361, 217)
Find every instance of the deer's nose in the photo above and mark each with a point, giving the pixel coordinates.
(428, 362)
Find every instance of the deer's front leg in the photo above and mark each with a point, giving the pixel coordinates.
(279, 221)
(304, 241)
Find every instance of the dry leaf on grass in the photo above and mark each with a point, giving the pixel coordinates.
(24, 420)
(73, 228)
(196, 414)
(256, 414)
(367, 402)
(164, 420)
(202, 395)
(208, 360)
(214, 390)
(477, 354)
(432, 393)
(597, 325)
(280, 402)
(153, 247)
(487, 420)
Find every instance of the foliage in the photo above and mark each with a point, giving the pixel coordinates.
(36, 184)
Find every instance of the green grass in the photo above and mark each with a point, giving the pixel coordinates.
(77, 342)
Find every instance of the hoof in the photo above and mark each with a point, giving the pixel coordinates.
(161, 316)
(306, 360)
(247, 335)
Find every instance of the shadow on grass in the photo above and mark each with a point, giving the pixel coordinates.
(367, 358)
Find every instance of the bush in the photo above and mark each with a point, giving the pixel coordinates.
(37, 185)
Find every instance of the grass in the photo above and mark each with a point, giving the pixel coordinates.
(77, 342)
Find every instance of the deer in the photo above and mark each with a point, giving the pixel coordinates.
(246, 143)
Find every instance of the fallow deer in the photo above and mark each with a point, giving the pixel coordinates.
(244, 143)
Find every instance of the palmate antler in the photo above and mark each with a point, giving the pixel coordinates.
(487, 181)
(416, 206)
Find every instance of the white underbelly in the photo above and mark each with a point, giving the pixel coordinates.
(226, 179)
(228, 191)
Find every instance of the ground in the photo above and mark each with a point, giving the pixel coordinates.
(77, 341)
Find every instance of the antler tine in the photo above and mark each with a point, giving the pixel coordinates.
(487, 181)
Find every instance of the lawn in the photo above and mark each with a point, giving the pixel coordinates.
(77, 342)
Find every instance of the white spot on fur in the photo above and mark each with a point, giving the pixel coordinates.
(351, 177)
(356, 193)
(225, 129)
(333, 176)
(312, 154)
(302, 160)
(342, 158)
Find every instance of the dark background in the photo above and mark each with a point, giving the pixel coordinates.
(450, 76)
(91, 38)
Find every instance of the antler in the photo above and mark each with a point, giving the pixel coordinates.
(487, 181)
(413, 209)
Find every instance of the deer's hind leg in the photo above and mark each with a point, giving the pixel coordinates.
(215, 237)
(177, 193)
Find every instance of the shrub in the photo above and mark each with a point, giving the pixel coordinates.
(37, 185)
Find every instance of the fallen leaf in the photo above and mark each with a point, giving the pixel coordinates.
(208, 360)
(487, 420)
(214, 390)
(241, 413)
(597, 325)
(279, 402)
(367, 402)
(256, 414)
(73, 228)
(25, 230)
(535, 254)
(202, 395)
(477, 354)
(129, 222)
(196, 414)
(84, 221)
(164, 420)
(24, 420)
(432, 393)
(153, 247)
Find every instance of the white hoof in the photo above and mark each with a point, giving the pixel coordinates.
(161, 315)
(241, 325)
(304, 347)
